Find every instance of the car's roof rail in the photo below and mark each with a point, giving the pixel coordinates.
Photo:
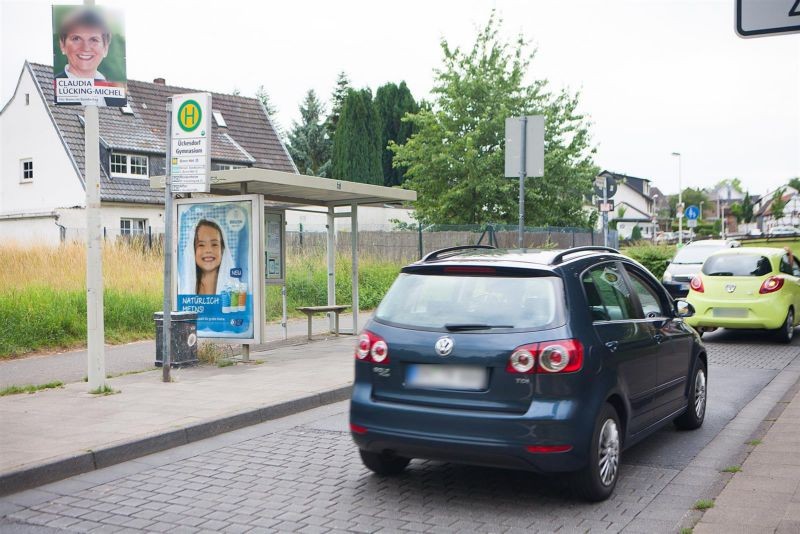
(436, 254)
(560, 256)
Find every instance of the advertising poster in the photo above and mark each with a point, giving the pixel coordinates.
(215, 265)
(88, 56)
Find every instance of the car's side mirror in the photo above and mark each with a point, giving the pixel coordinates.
(684, 308)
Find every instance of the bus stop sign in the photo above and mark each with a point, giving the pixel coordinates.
(757, 18)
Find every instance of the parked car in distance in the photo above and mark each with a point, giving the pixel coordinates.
(776, 231)
(747, 288)
(665, 237)
(755, 232)
(687, 262)
(552, 361)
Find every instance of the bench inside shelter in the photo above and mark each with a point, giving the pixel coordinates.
(311, 310)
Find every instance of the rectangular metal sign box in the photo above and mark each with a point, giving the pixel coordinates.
(757, 18)
(534, 146)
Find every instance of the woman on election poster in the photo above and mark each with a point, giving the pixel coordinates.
(214, 267)
(88, 56)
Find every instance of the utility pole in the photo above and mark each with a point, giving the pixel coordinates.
(679, 211)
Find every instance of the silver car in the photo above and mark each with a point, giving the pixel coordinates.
(687, 263)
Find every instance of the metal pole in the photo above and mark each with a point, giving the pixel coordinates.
(331, 265)
(522, 171)
(94, 254)
(354, 262)
(166, 360)
(605, 210)
(95, 324)
(284, 317)
(246, 346)
(679, 211)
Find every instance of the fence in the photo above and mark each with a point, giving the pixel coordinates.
(394, 244)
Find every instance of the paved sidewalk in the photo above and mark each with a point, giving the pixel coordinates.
(54, 434)
(765, 495)
(70, 366)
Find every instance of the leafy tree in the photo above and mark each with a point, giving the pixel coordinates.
(778, 203)
(308, 141)
(734, 183)
(337, 101)
(747, 208)
(636, 235)
(357, 143)
(455, 160)
(392, 103)
(691, 197)
(794, 183)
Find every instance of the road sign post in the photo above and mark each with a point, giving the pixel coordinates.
(524, 155)
(190, 159)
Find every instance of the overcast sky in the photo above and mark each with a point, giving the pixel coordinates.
(655, 76)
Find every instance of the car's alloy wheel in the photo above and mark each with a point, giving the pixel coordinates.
(786, 332)
(700, 394)
(609, 452)
(695, 412)
(597, 480)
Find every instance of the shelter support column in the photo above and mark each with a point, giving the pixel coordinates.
(331, 265)
(354, 245)
(246, 346)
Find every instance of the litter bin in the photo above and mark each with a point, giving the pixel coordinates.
(183, 338)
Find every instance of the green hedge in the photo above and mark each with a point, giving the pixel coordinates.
(654, 257)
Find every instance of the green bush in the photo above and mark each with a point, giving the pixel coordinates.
(654, 257)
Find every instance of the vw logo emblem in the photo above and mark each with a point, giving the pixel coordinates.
(730, 288)
(444, 345)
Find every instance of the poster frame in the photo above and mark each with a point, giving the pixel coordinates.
(257, 255)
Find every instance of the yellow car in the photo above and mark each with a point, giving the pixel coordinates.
(747, 288)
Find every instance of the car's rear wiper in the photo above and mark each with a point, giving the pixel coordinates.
(720, 274)
(475, 326)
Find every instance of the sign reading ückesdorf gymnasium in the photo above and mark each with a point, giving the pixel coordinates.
(191, 147)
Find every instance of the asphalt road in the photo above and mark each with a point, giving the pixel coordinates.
(302, 474)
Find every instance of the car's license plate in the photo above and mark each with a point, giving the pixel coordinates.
(463, 377)
(730, 312)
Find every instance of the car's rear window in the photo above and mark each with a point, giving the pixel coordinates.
(448, 301)
(737, 265)
(696, 254)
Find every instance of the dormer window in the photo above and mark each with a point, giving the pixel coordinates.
(129, 166)
(219, 119)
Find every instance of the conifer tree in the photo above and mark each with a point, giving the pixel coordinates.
(308, 141)
(337, 100)
(392, 103)
(357, 142)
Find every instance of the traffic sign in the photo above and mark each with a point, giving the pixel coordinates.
(190, 158)
(601, 181)
(691, 223)
(692, 213)
(756, 18)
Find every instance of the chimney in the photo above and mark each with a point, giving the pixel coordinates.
(160, 81)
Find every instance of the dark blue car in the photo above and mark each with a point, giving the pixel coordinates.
(549, 361)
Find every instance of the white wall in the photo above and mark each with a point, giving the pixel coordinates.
(630, 196)
(28, 132)
(30, 231)
(369, 218)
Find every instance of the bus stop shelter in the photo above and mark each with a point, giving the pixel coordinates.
(299, 192)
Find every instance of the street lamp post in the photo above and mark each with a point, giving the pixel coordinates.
(680, 201)
(701, 209)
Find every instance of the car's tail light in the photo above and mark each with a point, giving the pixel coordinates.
(771, 284)
(561, 356)
(697, 284)
(523, 360)
(371, 348)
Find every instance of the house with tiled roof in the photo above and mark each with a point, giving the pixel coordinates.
(633, 205)
(42, 187)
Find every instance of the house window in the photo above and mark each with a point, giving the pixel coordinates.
(128, 166)
(132, 226)
(26, 170)
(225, 166)
(218, 118)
